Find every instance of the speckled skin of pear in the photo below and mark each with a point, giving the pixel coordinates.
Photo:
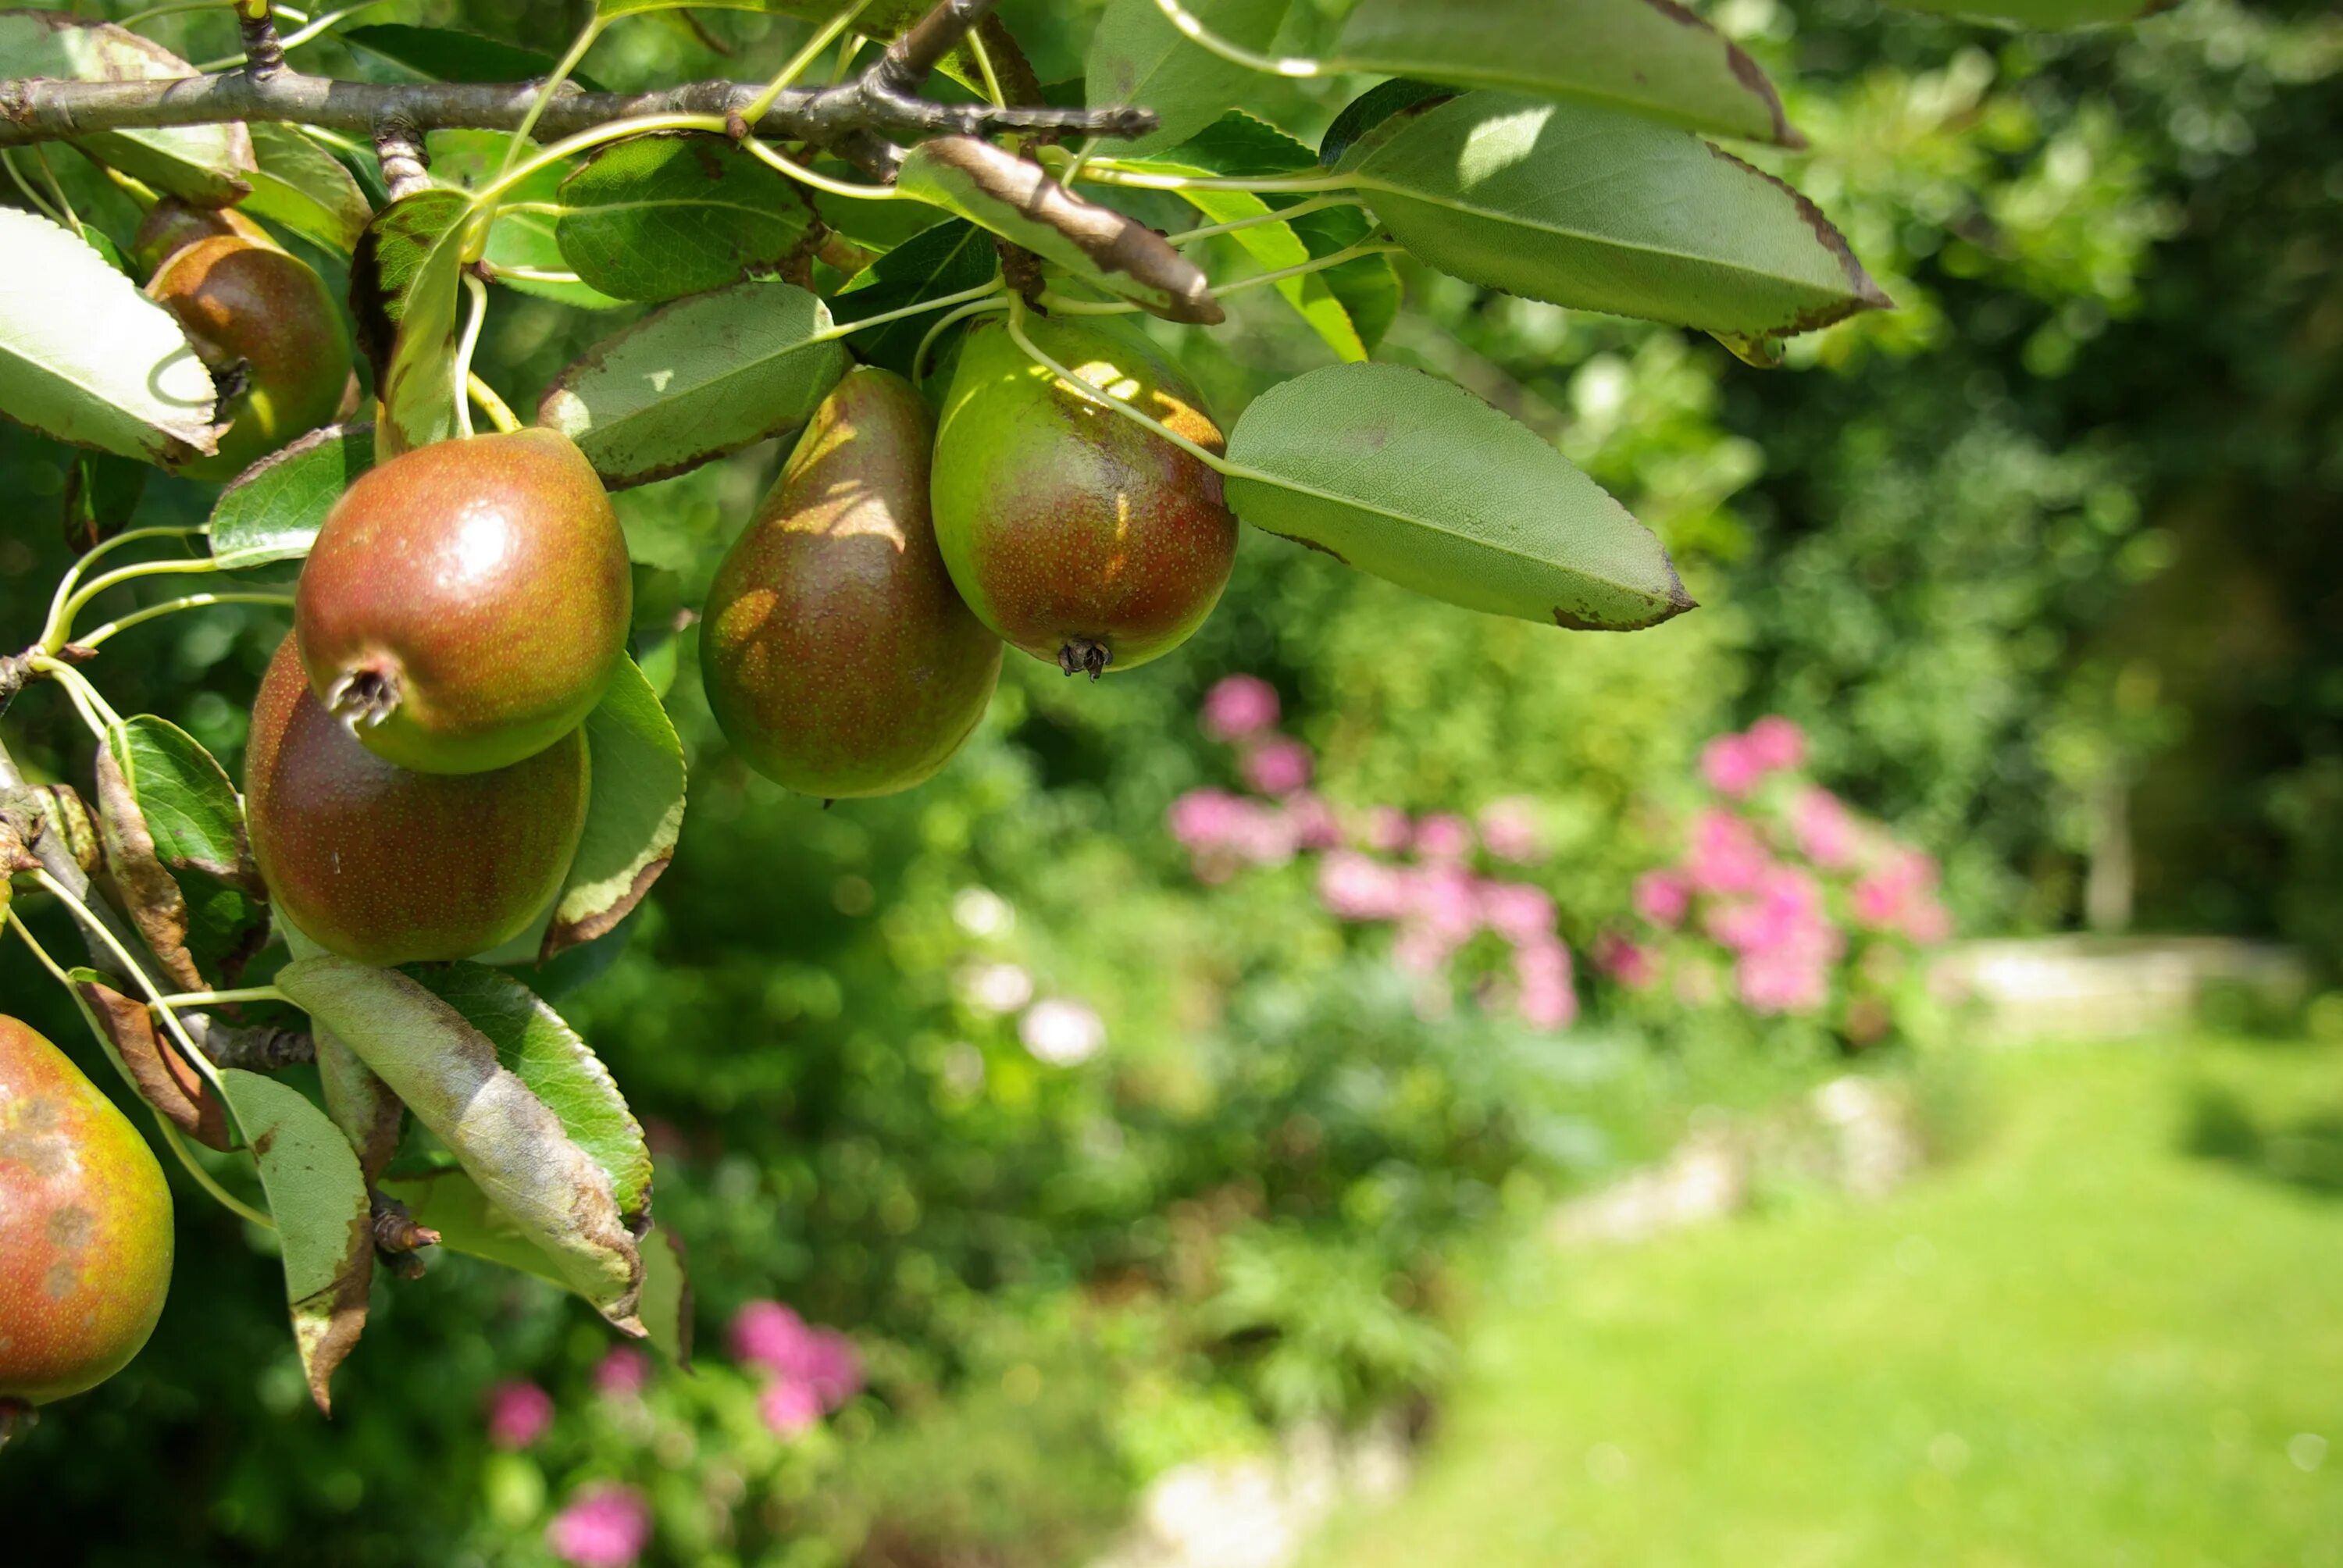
(243, 300)
(1063, 523)
(837, 657)
(85, 1227)
(484, 584)
(387, 866)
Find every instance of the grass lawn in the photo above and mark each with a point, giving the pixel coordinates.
(2085, 1342)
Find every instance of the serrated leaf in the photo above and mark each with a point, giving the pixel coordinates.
(208, 164)
(305, 188)
(274, 510)
(404, 277)
(539, 1047)
(466, 160)
(1138, 57)
(1016, 200)
(696, 379)
(448, 54)
(950, 258)
(1647, 57)
(1414, 479)
(87, 358)
(1599, 210)
(659, 216)
(512, 1144)
(193, 813)
(317, 1196)
(634, 817)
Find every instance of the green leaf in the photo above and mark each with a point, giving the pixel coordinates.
(1138, 57)
(446, 55)
(2044, 15)
(1647, 57)
(658, 216)
(303, 186)
(1412, 478)
(466, 160)
(145, 889)
(1367, 113)
(317, 1196)
(514, 1145)
(667, 1295)
(633, 819)
(206, 164)
(193, 813)
(102, 494)
(1598, 210)
(696, 379)
(1015, 199)
(274, 510)
(404, 281)
(361, 1105)
(950, 258)
(452, 1203)
(87, 358)
(535, 1045)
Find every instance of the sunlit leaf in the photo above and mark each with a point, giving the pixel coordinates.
(305, 188)
(950, 258)
(654, 217)
(634, 817)
(274, 510)
(404, 282)
(1137, 57)
(208, 164)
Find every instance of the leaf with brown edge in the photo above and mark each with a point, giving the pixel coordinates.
(324, 1230)
(1019, 201)
(146, 892)
(164, 1078)
(405, 276)
(359, 1102)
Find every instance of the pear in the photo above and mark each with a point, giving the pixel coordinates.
(837, 657)
(1073, 531)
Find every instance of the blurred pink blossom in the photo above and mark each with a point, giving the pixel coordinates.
(1662, 897)
(622, 1373)
(1358, 888)
(1775, 744)
(1443, 900)
(1826, 830)
(1443, 836)
(1546, 998)
(788, 1408)
(1313, 822)
(1629, 963)
(1731, 765)
(1388, 830)
(1218, 828)
(1509, 831)
(1518, 912)
(1899, 895)
(1782, 979)
(1727, 856)
(519, 1413)
(1239, 706)
(1278, 767)
(603, 1527)
(1421, 949)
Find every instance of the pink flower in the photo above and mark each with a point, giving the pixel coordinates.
(1520, 913)
(1775, 744)
(1546, 998)
(519, 1413)
(1278, 767)
(1356, 888)
(1443, 900)
(1628, 963)
(1388, 830)
(1205, 818)
(1898, 895)
(1421, 949)
(1313, 822)
(622, 1373)
(1443, 837)
(1730, 765)
(1927, 921)
(1826, 830)
(1239, 706)
(603, 1527)
(788, 1408)
(1728, 857)
(1220, 829)
(1782, 979)
(1509, 831)
(1661, 898)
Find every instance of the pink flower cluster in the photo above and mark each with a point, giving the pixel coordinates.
(604, 1526)
(1380, 865)
(813, 1371)
(518, 1415)
(1775, 880)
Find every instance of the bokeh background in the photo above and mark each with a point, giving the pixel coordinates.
(1181, 1090)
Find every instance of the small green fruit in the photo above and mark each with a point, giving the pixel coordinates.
(1075, 533)
(85, 1228)
(264, 324)
(837, 657)
(467, 603)
(387, 866)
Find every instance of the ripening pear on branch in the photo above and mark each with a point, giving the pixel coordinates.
(387, 866)
(1074, 532)
(85, 1227)
(260, 318)
(467, 603)
(837, 657)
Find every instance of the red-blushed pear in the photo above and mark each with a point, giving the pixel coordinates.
(467, 603)
(387, 866)
(1071, 530)
(262, 320)
(85, 1229)
(837, 657)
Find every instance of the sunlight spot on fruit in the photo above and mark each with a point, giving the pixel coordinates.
(483, 543)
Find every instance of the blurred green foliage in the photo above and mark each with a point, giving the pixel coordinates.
(2065, 518)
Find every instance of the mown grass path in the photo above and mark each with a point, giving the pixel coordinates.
(2086, 1342)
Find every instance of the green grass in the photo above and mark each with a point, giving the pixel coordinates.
(2083, 1344)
